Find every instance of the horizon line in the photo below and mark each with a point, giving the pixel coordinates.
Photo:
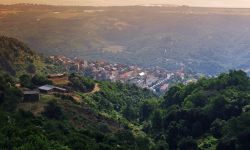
(145, 5)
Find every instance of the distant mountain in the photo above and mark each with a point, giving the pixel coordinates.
(15, 56)
(206, 40)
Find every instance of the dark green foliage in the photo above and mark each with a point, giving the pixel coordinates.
(80, 83)
(23, 131)
(130, 113)
(188, 144)
(207, 114)
(52, 111)
(14, 55)
(173, 96)
(31, 68)
(147, 108)
(237, 129)
(25, 81)
(157, 120)
(228, 144)
(122, 98)
(40, 80)
(196, 99)
(9, 95)
(162, 145)
(216, 127)
(208, 107)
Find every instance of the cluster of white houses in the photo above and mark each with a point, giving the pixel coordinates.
(34, 95)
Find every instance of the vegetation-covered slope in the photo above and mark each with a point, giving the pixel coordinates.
(213, 113)
(62, 124)
(16, 56)
(210, 114)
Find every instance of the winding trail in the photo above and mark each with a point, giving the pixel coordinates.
(96, 89)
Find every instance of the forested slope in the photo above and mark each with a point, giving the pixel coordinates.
(212, 113)
(15, 56)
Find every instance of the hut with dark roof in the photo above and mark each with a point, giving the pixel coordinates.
(31, 96)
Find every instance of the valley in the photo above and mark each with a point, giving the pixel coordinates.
(136, 35)
(41, 109)
(157, 77)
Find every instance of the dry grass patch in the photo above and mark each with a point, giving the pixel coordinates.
(36, 107)
(60, 80)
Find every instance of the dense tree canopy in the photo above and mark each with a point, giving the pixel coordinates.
(210, 114)
(216, 107)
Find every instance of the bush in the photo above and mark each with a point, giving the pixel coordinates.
(52, 111)
(188, 144)
(25, 81)
(40, 80)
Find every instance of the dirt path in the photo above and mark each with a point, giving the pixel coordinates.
(96, 89)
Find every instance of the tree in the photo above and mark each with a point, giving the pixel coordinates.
(38, 142)
(143, 143)
(125, 137)
(239, 79)
(31, 69)
(1, 97)
(157, 120)
(173, 96)
(197, 99)
(146, 110)
(197, 129)
(236, 132)
(226, 145)
(216, 108)
(243, 140)
(25, 81)
(52, 111)
(129, 112)
(188, 143)
(216, 127)
(40, 80)
(162, 145)
(81, 84)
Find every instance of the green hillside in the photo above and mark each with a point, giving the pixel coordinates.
(65, 124)
(17, 57)
(212, 113)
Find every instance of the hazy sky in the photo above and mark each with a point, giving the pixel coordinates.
(206, 3)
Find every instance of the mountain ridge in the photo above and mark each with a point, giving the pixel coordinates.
(144, 36)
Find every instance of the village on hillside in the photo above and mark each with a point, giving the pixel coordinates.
(156, 79)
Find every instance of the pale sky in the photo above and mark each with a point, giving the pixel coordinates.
(203, 3)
